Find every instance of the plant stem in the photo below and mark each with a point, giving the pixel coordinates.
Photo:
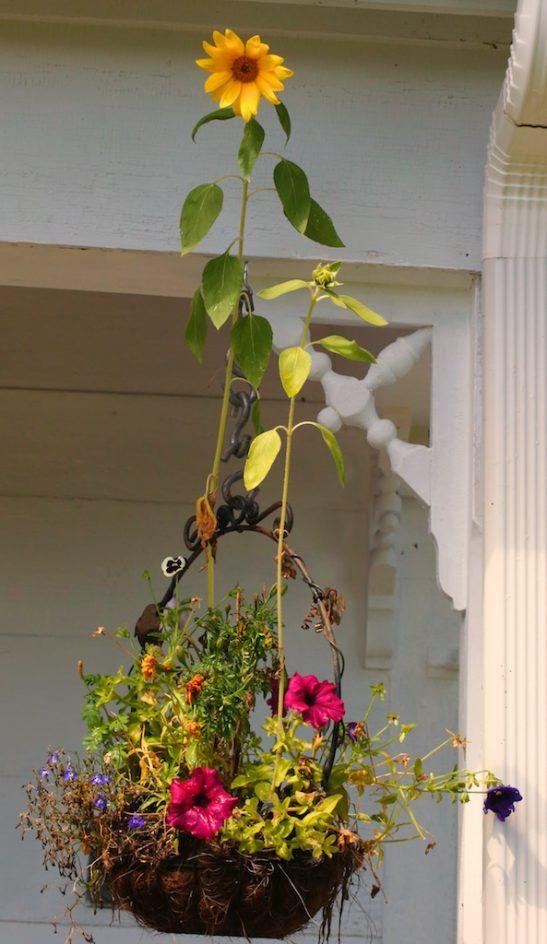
(213, 479)
(281, 541)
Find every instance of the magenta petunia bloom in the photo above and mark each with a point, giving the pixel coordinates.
(316, 701)
(199, 805)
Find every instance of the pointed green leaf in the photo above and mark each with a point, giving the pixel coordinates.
(332, 444)
(294, 369)
(284, 119)
(221, 287)
(221, 114)
(249, 149)
(346, 348)
(252, 343)
(199, 212)
(196, 326)
(292, 285)
(357, 307)
(262, 455)
(293, 190)
(320, 227)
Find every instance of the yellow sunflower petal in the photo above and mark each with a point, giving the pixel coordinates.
(216, 80)
(248, 100)
(270, 62)
(206, 64)
(230, 93)
(283, 73)
(255, 48)
(266, 90)
(219, 39)
(234, 43)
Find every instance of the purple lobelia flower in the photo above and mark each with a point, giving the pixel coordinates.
(200, 805)
(501, 801)
(69, 773)
(101, 802)
(316, 701)
(100, 780)
(135, 822)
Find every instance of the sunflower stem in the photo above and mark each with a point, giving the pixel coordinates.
(228, 376)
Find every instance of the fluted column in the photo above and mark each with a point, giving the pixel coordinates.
(515, 595)
(514, 505)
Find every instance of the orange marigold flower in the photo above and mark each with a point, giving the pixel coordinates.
(242, 73)
(148, 668)
(194, 688)
(193, 728)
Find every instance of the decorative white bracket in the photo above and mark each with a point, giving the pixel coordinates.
(433, 474)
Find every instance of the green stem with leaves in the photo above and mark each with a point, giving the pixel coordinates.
(212, 481)
(281, 534)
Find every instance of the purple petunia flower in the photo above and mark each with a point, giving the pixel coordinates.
(501, 801)
(200, 805)
(100, 780)
(316, 701)
(101, 802)
(135, 822)
(69, 774)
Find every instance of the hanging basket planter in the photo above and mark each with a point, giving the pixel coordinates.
(216, 890)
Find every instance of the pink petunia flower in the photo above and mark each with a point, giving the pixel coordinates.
(199, 805)
(316, 701)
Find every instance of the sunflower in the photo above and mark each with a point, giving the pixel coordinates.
(242, 72)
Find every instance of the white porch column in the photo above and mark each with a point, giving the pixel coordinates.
(514, 649)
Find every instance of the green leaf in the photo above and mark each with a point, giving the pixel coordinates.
(320, 227)
(221, 287)
(252, 339)
(346, 348)
(249, 149)
(263, 790)
(262, 455)
(199, 212)
(294, 369)
(196, 326)
(332, 444)
(357, 307)
(282, 288)
(284, 119)
(221, 114)
(293, 190)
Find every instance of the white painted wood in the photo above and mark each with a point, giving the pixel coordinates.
(512, 647)
(85, 168)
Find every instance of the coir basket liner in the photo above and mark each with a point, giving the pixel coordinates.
(213, 889)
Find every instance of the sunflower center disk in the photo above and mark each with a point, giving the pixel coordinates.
(244, 69)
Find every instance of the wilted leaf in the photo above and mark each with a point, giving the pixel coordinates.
(346, 348)
(282, 288)
(332, 444)
(262, 455)
(294, 369)
(357, 307)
